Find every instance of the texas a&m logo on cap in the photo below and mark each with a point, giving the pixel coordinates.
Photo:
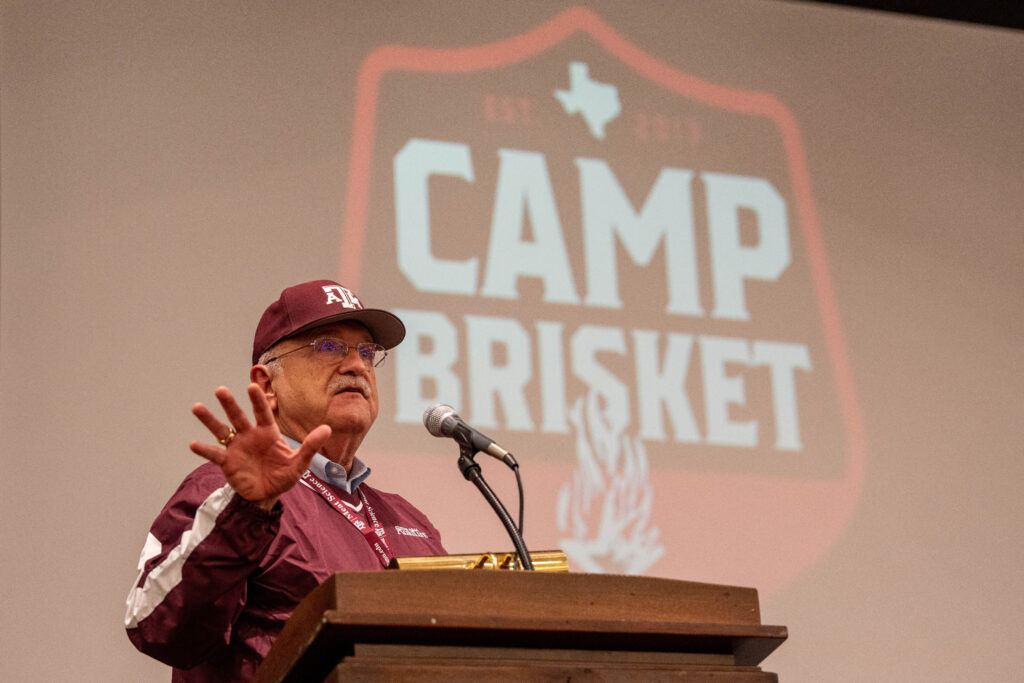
(336, 294)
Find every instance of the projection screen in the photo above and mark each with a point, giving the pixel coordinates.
(738, 283)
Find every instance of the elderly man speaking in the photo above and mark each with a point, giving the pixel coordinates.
(239, 544)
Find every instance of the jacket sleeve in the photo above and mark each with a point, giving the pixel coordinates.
(191, 586)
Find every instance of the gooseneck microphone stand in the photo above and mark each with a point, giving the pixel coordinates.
(471, 471)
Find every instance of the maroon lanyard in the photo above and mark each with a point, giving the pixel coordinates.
(374, 536)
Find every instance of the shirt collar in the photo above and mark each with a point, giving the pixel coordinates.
(333, 473)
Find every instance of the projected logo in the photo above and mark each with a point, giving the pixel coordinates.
(616, 269)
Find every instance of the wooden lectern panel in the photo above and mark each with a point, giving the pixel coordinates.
(461, 625)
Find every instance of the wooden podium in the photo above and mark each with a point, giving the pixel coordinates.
(476, 625)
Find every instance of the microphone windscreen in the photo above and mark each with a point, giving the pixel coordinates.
(435, 416)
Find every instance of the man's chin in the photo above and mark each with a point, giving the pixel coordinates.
(353, 418)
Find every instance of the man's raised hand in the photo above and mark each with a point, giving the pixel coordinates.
(257, 461)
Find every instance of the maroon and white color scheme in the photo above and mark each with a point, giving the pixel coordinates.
(219, 576)
(319, 302)
(374, 533)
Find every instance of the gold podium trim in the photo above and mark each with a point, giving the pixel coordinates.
(543, 561)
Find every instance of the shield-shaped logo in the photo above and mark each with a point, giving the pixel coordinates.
(616, 268)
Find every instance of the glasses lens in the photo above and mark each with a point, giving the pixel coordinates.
(372, 354)
(330, 347)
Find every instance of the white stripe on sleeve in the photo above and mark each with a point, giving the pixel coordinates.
(142, 600)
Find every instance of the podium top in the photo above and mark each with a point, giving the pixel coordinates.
(521, 609)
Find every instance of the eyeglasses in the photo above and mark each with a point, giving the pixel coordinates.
(334, 350)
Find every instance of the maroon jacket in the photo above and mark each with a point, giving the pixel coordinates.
(219, 576)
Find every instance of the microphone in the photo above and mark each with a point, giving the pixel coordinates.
(442, 421)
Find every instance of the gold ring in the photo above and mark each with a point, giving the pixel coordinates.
(227, 439)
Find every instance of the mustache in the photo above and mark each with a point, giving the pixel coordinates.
(344, 382)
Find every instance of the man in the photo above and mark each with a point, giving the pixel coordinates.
(240, 543)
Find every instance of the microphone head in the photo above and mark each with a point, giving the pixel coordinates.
(435, 417)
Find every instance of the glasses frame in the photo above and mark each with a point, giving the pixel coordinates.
(348, 347)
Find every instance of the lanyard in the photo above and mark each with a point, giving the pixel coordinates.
(374, 536)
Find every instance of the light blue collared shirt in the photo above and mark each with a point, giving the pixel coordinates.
(333, 473)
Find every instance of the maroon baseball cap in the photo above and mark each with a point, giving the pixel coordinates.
(320, 302)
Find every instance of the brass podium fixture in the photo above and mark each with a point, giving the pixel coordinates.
(543, 561)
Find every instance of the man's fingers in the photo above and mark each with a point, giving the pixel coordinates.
(310, 445)
(260, 406)
(231, 408)
(216, 427)
(211, 453)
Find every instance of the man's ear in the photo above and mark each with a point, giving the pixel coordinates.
(260, 374)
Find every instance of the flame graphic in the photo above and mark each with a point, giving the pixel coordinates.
(604, 511)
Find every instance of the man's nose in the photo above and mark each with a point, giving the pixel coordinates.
(353, 362)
